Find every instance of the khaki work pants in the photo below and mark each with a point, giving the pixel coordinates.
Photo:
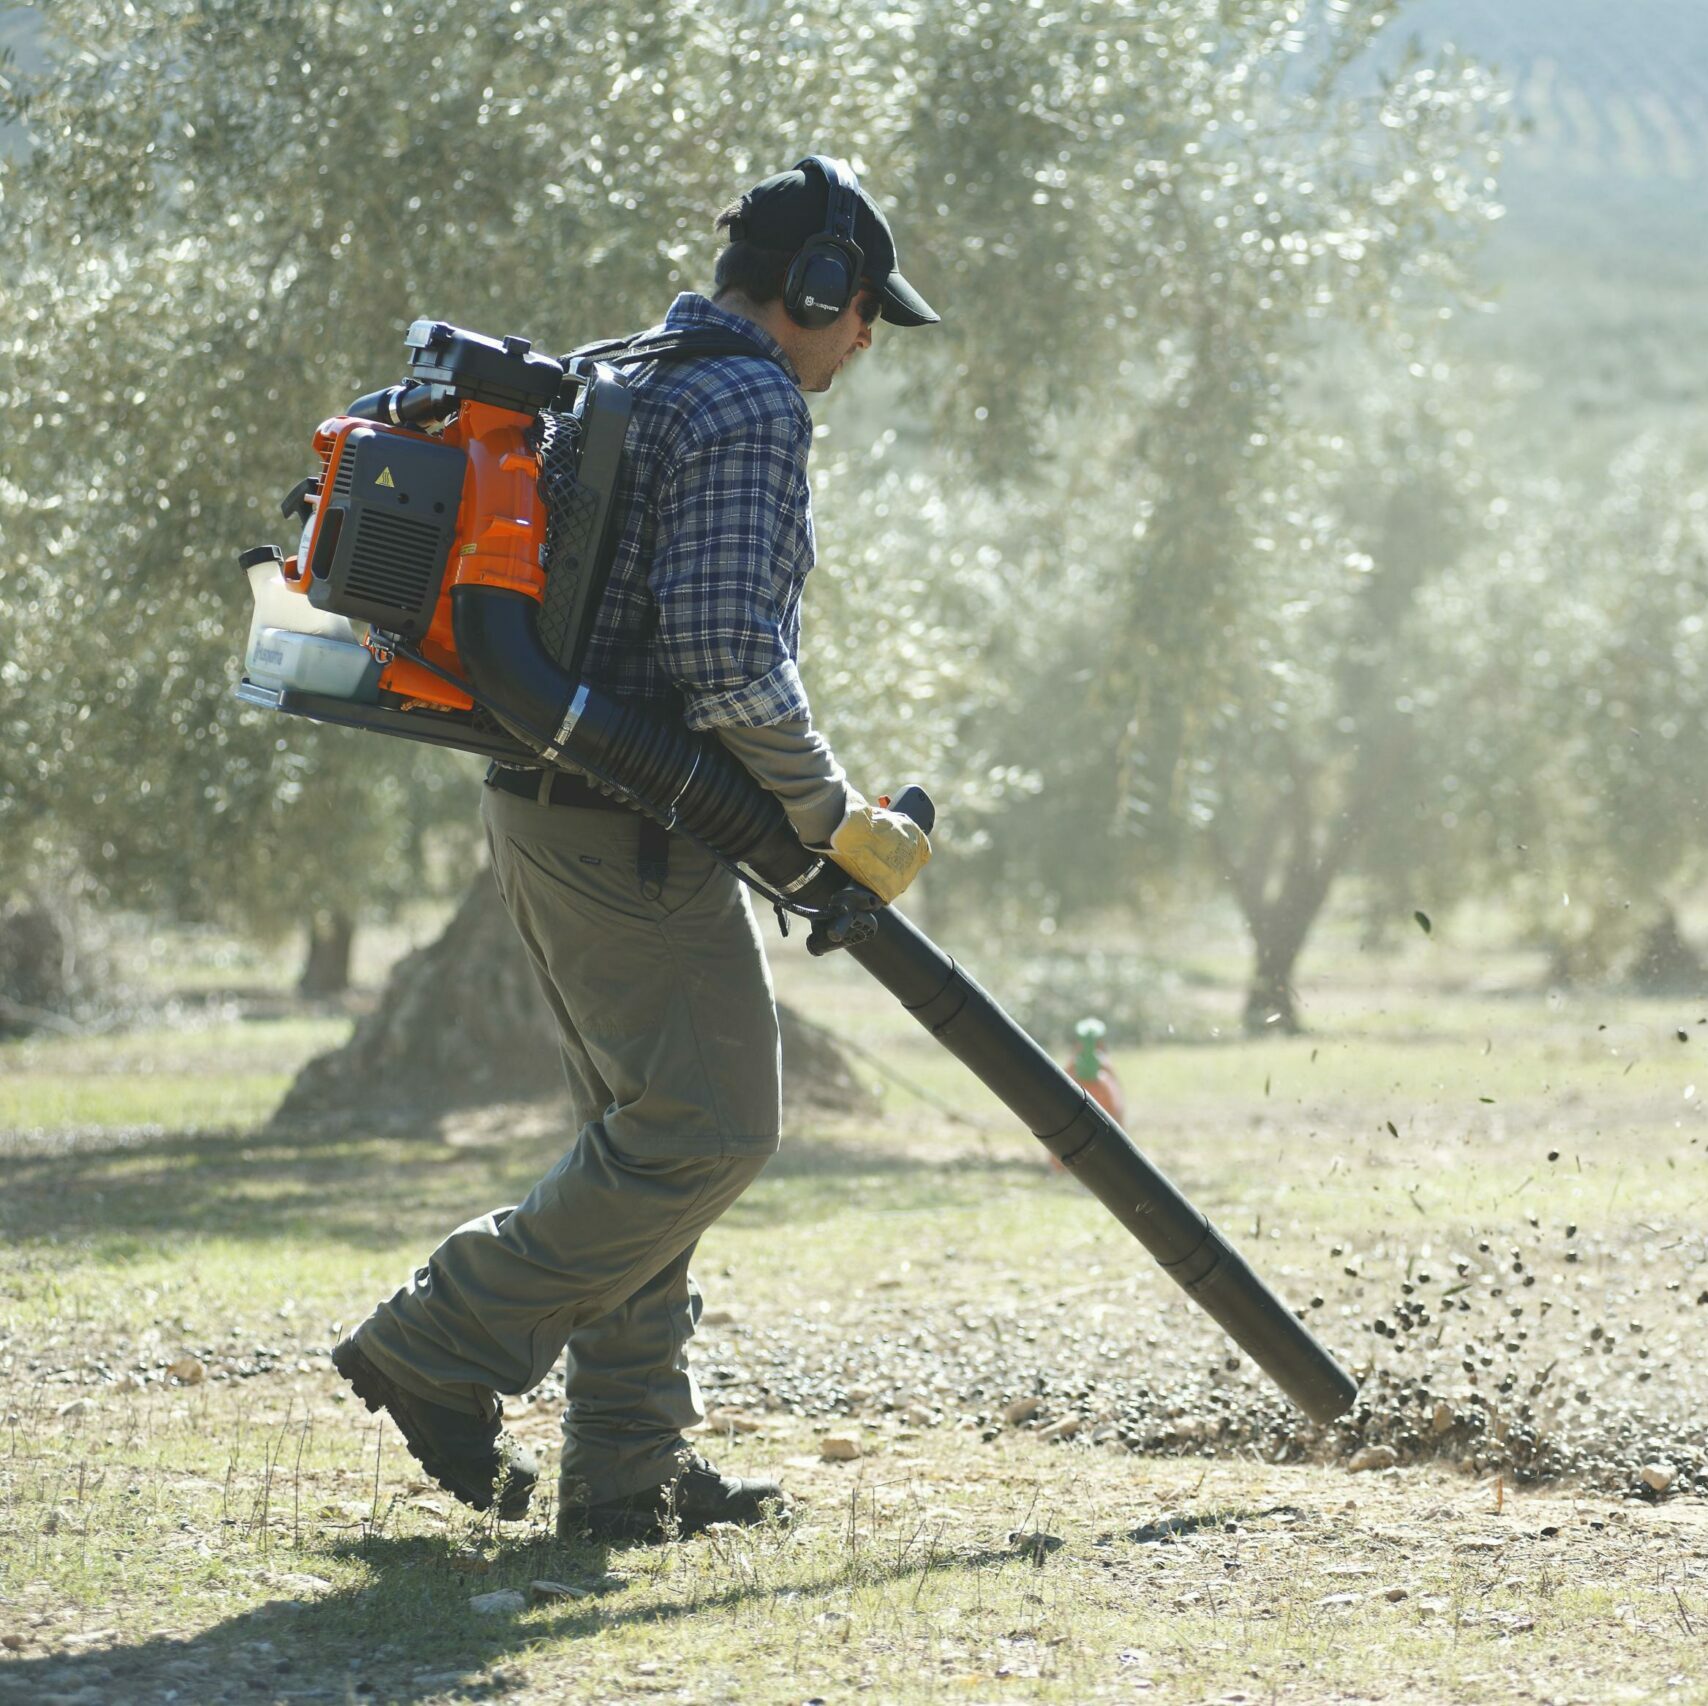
(669, 1031)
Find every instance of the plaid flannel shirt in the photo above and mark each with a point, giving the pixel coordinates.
(702, 614)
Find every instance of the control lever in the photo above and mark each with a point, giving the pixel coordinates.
(913, 802)
(847, 919)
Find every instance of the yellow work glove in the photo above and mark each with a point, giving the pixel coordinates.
(881, 850)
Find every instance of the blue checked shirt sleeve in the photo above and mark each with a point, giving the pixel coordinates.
(727, 571)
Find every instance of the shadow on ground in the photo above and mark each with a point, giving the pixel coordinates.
(409, 1633)
(370, 1188)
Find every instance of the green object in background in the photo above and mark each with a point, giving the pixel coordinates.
(1090, 1033)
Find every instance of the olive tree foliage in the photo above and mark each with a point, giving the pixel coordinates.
(1325, 264)
(1329, 746)
(1223, 394)
(1143, 224)
(1580, 787)
(1633, 710)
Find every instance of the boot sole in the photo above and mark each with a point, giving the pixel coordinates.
(377, 1392)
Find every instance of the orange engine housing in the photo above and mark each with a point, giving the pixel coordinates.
(402, 518)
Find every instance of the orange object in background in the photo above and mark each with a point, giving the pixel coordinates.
(1090, 1069)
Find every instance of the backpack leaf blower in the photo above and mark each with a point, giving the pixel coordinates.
(454, 547)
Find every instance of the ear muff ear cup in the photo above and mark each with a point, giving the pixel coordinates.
(825, 276)
(821, 282)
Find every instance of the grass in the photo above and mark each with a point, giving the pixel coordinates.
(251, 1549)
(221, 1074)
(239, 1531)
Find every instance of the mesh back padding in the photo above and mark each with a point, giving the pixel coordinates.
(571, 515)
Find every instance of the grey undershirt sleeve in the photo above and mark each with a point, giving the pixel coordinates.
(794, 761)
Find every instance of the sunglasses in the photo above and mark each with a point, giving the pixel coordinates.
(870, 304)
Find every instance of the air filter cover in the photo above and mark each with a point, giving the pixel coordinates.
(381, 547)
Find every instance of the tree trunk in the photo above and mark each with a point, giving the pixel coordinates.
(1281, 880)
(461, 1023)
(37, 969)
(1270, 1003)
(1665, 963)
(326, 966)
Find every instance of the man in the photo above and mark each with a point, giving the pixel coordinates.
(645, 947)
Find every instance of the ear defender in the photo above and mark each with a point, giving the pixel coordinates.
(824, 277)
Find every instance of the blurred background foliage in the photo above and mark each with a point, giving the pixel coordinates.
(1300, 497)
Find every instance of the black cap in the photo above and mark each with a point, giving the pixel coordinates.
(785, 211)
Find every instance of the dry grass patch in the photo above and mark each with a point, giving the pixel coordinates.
(266, 1541)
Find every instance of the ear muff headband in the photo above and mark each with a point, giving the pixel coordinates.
(824, 277)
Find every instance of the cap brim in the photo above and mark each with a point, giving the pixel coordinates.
(904, 306)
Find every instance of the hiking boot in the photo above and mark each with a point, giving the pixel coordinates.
(691, 1500)
(468, 1456)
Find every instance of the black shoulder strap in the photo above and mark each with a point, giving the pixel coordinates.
(668, 346)
(579, 483)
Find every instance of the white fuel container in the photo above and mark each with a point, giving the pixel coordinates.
(293, 644)
(280, 657)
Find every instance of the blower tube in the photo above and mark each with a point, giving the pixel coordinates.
(712, 796)
(665, 766)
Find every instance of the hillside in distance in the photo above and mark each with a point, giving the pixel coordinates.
(21, 44)
(1611, 92)
(1596, 271)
